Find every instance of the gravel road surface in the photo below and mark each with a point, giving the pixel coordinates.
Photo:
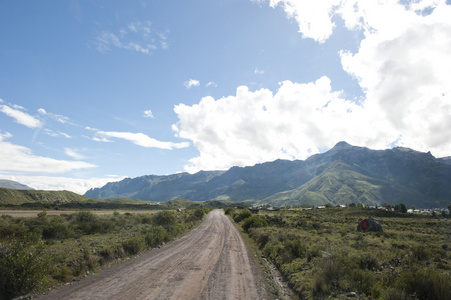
(211, 262)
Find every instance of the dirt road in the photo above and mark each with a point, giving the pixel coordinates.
(211, 262)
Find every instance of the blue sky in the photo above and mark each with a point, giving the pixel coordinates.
(95, 91)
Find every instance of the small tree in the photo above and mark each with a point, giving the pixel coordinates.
(402, 208)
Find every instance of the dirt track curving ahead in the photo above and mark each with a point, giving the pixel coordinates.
(211, 262)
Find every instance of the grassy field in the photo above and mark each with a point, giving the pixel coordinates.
(322, 256)
(40, 252)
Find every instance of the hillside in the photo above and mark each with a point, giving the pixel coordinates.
(341, 175)
(9, 184)
(12, 197)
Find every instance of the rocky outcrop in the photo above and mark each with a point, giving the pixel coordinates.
(368, 225)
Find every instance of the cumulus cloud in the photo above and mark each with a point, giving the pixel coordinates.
(148, 114)
(76, 185)
(139, 139)
(295, 122)
(313, 17)
(137, 36)
(212, 84)
(20, 116)
(402, 65)
(191, 83)
(19, 158)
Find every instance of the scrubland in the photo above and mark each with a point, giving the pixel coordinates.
(322, 256)
(41, 252)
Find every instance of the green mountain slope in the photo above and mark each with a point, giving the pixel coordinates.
(20, 197)
(340, 184)
(344, 174)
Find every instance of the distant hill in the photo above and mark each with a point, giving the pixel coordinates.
(66, 199)
(9, 184)
(12, 197)
(342, 175)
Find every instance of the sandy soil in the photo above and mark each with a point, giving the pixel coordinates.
(211, 262)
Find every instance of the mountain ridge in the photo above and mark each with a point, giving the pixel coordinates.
(342, 175)
(10, 184)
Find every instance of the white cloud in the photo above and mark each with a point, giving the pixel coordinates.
(259, 72)
(16, 112)
(136, 36)
(211, 83)
(253, 127)
(56, 133)
(139, 139)
(191, 83)
(73, 153)
(313, 17)
(403, 66)
(76, 185)
(148, 114)
(403, 63)
(19, 158)
(58, 118)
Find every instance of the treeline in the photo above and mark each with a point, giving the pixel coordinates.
(37, 253)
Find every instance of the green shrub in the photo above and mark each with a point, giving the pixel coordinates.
(87, 223)
(292, 249)
(21, 266)
(367, 261)
(254, 222)
(134, 245)
(229, 211)
(326, 277)
(165, 218)
(199, 213)
(243, 214)
(394, 294)
(426, 284)
(155, 236)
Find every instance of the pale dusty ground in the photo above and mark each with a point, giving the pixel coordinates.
(211, 262)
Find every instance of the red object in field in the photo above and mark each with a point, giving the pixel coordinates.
(365, 225)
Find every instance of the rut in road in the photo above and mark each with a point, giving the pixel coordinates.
(211, 262)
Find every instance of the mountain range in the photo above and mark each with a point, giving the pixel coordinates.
(10, 184)
(344, 174)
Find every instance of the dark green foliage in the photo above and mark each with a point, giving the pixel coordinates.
(426, 284)
(165, 218)
(199, 213)
(155, 236)
(241, 215)
(134, 245)
(229, 211)
(21, 266)
(254, 222)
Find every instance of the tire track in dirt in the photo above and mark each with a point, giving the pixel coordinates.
(211, 262)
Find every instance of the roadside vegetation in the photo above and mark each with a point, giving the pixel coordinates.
(322, 256)
(44, 251)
